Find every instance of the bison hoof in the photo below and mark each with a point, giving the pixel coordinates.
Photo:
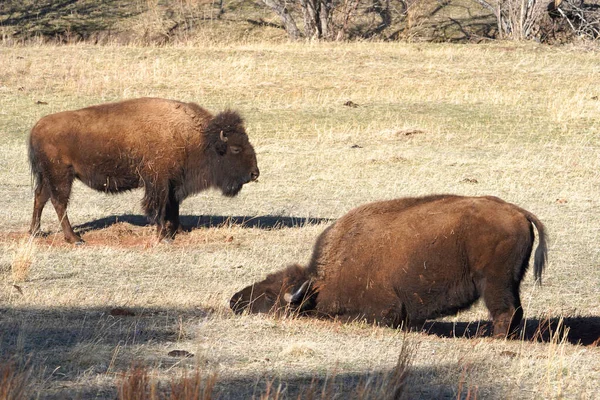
(76, 240)
(166, 240)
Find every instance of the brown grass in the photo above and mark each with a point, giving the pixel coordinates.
(515, 121)
(14, 381)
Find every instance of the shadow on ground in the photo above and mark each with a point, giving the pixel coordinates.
(61, 330)
(575, 330)
(65, 348)
(192, 222)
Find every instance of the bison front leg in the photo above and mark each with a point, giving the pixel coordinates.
(172, 224)
(158, 208)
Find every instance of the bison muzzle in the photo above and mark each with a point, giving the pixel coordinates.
(170, 148)
(403, 261)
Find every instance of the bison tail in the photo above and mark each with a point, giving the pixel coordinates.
(35, 167)
(541, 253)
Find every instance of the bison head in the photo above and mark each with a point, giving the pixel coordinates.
(235, 160)
(287, 290)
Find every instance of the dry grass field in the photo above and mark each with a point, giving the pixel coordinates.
(521, 122)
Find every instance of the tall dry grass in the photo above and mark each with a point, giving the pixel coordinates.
(14, 381)
(137, 384)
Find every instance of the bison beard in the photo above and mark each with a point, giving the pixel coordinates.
(403, 261)
(171, 149)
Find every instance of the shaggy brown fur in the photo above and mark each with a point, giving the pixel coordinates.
(403, 261)
(171, 149)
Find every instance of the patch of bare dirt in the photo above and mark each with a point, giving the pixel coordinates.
(125, 235)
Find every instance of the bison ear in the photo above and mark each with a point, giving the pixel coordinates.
(297, 297)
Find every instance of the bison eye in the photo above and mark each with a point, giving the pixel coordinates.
(236, 149)
(270, 297)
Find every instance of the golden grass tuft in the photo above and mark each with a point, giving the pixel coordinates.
(22, 259)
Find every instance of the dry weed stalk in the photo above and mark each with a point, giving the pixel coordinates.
(465, 390)
(556, 371)
(389, 386)
(13, 381)
(22, 260)
(193, 387)
(136, 384)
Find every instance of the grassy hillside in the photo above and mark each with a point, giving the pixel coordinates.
(519, 122)
(208, 21)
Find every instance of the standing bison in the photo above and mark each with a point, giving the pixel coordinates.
(403, 261)
(171, 149)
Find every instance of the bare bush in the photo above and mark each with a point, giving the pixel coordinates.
(582, 19)
(340, 19)
(516, 19)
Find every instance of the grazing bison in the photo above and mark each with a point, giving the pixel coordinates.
(171, 149)
(403, 261)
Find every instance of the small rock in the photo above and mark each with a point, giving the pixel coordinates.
(409, 132)
(121, 312)
(507, 353)
(180, 353)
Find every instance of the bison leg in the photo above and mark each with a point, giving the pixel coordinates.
(504, 305)
(156, 206)
(172, 225)
(42, 195)
(60, 191)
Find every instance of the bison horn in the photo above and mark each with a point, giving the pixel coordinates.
(298, 296)
(223, 137)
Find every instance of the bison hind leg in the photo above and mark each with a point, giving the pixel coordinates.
(504, 305)
(60, 182)
(41, 197)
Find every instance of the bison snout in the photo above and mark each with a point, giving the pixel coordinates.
(254, 174)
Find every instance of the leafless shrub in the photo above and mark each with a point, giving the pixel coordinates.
(516, 19)
(345, 19)
(583, 19)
